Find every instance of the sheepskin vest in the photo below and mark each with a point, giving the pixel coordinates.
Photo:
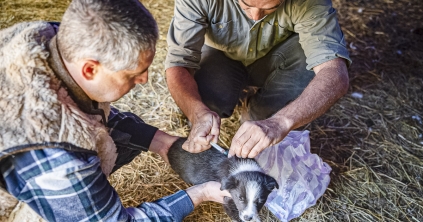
(36, 110)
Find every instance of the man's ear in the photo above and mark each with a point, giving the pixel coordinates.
(90, 69)
(229, 183)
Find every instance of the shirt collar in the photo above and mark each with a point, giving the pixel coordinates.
(77, 94)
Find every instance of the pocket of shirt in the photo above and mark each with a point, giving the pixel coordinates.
(223, 36)
(271, 35)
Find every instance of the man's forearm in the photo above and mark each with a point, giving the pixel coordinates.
(184, 90)
(161, 143)
(196, 193)
(330, 84)
(91, 186)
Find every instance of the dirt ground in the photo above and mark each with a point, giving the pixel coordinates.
(372, 138)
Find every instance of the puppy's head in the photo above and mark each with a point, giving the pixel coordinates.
(249, 191)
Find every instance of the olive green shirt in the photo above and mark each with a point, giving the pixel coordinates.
(222, 24)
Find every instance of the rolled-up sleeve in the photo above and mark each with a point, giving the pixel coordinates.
(320, 34)
(186, 34)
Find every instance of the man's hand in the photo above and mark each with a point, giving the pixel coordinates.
(205, 129)
(329, 84)
(209, 191)
(254, 136)
(205, 123)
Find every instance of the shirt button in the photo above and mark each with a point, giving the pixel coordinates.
(276, 23)
(220, 26)
(251, 49)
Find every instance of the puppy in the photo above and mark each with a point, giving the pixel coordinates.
(248, 185)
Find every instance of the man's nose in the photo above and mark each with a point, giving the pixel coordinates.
(142, 79)
(256, 13)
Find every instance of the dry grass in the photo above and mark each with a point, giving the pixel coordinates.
(374, 144)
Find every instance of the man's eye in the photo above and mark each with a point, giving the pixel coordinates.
(241, 198)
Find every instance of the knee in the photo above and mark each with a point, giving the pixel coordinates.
(261, 107)
(261, 112)
(224, 107)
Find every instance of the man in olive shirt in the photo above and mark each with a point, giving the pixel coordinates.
(293, 51)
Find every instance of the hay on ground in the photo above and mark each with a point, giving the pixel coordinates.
(372, 138)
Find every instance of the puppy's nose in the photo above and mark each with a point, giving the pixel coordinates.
(248, 218)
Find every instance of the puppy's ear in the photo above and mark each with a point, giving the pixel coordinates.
(229, 183)
(271, 183)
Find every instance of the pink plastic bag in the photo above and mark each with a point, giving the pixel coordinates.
(302, 177)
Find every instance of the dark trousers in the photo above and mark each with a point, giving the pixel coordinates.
(280, 76)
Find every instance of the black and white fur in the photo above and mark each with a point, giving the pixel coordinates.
(248, 185)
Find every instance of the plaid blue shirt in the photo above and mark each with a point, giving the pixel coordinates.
(61, 185)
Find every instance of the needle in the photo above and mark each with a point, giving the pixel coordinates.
(220, 149)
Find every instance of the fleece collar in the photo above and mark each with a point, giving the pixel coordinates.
(77, 94)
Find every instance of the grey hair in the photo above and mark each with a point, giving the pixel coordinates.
(113, 32)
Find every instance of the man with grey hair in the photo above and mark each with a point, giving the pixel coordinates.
(59, 137)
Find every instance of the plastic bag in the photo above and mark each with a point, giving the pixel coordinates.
(302, 177)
